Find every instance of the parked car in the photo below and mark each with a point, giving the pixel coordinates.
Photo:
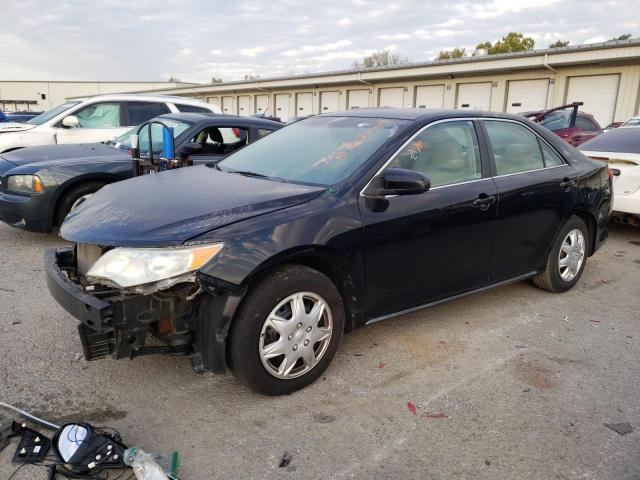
(568, 123)
(40, 185)
(95, 119)
(261, 262)
(620, 148)
(611, 126)
(19, 117)
(632, 122)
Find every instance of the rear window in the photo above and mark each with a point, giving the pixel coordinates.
(192, 109)
(621, 140)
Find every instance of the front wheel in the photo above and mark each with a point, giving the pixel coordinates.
(567, 258)
(286, 331)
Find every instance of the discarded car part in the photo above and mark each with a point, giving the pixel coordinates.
(621, 428)
(82, 448)
(567, 122)
(32, 448)
(152, 466)
(29, 416)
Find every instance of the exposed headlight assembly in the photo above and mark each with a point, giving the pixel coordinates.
(130, 267)
(25, 184)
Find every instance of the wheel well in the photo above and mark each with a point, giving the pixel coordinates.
(591, 225)
(329, 267)
(68, 187)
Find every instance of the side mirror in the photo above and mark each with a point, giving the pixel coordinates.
(70, 121)
(188, 149)
(398, 181)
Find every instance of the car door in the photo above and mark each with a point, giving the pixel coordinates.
(97, 122)
(536, 189)
(423, 248)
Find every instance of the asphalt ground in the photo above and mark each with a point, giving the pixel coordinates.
(512, 383)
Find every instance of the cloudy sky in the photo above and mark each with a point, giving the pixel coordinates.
(196, 40)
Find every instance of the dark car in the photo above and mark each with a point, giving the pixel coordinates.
(261, 262)
(40, 185)
(20, 117)
(566, 121)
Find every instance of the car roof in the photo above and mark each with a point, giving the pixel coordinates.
(223, 119)
(419, 113)
(140, 97)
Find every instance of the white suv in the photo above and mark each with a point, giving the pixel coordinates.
(94, 119)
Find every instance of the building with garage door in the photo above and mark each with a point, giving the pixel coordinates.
(605, 76)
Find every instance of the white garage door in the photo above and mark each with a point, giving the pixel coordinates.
(430, 96)
(599, 94)
(227, 105)
(527, 95)
(262, 103)
(391, 97)
(357, 99)
(304, 104)
(244, 105)
(282, 106)
(214, 100)
(329, 102)
(474, 96)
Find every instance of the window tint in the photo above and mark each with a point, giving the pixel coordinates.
(221, 140)
(551, 158)
(140, 112)
(446, 153)
(99, 115)
(515, 148)
(557, 120)
(263, 132)
(585, 124)
(192, 108)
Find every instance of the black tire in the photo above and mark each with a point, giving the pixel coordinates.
(70, 196)
(245, 332)
(550, 278)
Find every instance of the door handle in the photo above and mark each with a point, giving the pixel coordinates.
(484, 201)
(566, 184)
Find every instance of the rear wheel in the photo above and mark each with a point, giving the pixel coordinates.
(74, 197)
(287, 331)
(567, 258)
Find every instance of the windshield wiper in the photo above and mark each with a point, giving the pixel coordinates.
(246, 173)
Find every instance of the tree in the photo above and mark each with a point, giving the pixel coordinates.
(216, 80)
(448, 54)
(251, 78)
(174, 79)
(512, 42)
(559, 44)
(625, 36)
(383, 58)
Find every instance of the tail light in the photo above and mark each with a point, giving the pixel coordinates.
(610, 172)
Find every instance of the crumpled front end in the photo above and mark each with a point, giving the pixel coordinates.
(188, 318)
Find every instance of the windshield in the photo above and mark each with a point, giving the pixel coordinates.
(317, 151)
(123, 142)
(634, 122)
(46, 116)
(556, 121)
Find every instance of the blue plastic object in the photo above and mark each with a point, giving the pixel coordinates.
(167, 143)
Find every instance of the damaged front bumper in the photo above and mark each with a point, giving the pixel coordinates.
(187, 319)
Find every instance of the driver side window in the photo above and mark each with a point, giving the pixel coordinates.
(447, 153)
(221, 140)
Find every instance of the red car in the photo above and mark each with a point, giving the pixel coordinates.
(568, 123)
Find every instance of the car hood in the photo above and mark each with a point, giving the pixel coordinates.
(15, 127)
(169, 208)
(54, 154)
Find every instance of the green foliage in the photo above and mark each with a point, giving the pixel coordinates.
(512, 42)
(448, 54)
(251, 78)
(174, 79)
(559, 44)
(382, 58)
(625, 36)
(216, 80)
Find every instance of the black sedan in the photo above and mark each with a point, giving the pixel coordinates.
(40, 185)
(261, 262)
